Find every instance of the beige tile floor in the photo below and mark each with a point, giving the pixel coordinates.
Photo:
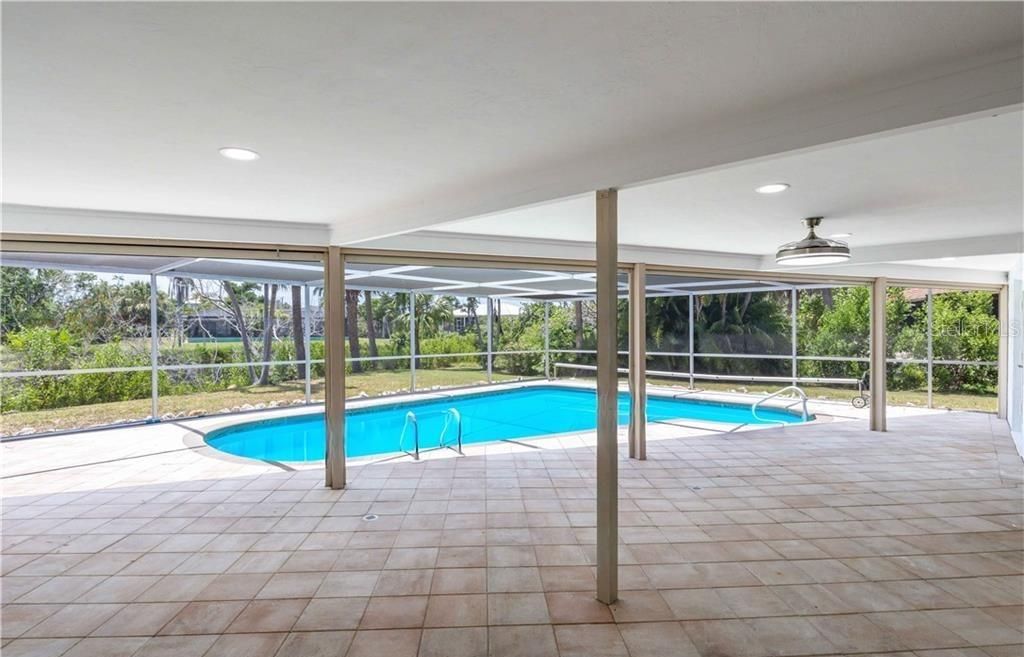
(822, 539)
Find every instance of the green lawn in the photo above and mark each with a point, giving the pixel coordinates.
(371, 383)
(954, 401)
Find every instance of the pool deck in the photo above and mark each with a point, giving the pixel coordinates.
(813, 539)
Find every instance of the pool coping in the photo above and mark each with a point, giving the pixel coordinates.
(196, 439)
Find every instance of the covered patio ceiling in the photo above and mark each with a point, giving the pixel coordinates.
(495, 282)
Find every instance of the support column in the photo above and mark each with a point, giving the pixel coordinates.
(878, 349)
(306, 338)
(1003, 365)
(490, 340)
(547, 339)
(334, 366)
(412, 342)
(154, 353)
(793, 335)
(690, 329)
(931, 348)
(607, 398)
(638, 362)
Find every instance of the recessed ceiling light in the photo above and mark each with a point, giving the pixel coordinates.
(772, 188)
(841, 236)
(241, 154)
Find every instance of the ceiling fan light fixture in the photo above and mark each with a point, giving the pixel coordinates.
(812, 249)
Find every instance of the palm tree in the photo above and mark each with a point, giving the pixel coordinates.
(432, 313)
(182, 290)
(746, 324)
(352, 327)
(269, 303)
(298, 332)
(371, 326)
(471, 305)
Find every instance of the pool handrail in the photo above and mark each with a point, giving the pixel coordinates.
(800, 393)
(450, 414)
(410, 419)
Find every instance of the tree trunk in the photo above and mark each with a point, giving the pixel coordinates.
(471, 307)
(746, 304)
(269, 303)
(352, 327)
(298, 331)
(371, 327)
(579, 324)
(236, 310)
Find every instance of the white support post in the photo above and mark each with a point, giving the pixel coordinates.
(931, 348)
(878, 350)
(607, 398)
(638, 362)
(690, 328)
(1003, 360)
(547, 339)
(793, 334)
(412, 341)
(334, 355)
(306, 336)
(154, 352)
(490, 340)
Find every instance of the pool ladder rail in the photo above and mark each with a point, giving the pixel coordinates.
(452, 418)
(799, 392)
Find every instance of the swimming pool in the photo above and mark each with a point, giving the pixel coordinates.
(485, 416)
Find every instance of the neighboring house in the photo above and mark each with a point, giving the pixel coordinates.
(463, 322)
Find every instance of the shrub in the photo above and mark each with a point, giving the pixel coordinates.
(450, 343)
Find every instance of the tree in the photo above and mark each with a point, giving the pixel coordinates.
(298, 331)
(579, 324)
(966, 327)
(269, 303)
(236, 310)
(471, 305)
(182, 291)
(371, 323)
(668, 329)
(28, 298)
(352, 328)
(433, 312)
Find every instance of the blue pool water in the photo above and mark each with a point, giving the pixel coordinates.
(486, 416)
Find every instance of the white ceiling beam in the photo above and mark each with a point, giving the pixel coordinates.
(108, 223)
(445, 242)
(900, 271)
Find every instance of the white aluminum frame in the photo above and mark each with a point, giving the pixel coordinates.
(549, 366)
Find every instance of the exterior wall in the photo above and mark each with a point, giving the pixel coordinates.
(1016, 356)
